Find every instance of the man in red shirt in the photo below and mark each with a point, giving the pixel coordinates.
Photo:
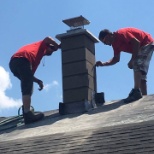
(23, 65)
(136, 42)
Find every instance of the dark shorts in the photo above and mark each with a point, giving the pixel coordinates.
(143, 59)
(21, 68)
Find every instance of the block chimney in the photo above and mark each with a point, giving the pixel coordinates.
(78, 67)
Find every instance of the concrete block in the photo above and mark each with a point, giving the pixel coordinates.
(77, 41)
(73, 55)
(77, 95)
(77, 68)
(78, 54)
(78, 81)
(90, 57)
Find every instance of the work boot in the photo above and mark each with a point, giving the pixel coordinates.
(134, 95)
(31, 117)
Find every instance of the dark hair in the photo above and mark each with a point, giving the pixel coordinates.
(103, 33)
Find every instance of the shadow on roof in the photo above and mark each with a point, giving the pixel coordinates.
(107, 107)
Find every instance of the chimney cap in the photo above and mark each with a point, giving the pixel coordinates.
(75, 22)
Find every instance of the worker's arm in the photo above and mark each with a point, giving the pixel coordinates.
(49, 41)
(39, 82)
(112, 61)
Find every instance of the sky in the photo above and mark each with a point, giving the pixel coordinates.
(27, 21)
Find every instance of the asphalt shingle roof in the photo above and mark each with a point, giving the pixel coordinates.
(106, 130)
(128, 139)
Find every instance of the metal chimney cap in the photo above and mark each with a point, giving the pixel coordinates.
(76, 21)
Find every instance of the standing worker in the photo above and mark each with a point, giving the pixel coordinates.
(23, 65)
(136, 42)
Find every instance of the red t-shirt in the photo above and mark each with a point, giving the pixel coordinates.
(123, 37)
(33, 52)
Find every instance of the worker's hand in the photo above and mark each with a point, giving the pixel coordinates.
(100, 63)
(53, 47)
(59, 46)
(40, 83)
(130, 64)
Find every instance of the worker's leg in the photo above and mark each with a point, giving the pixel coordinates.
(143, 85)
(140, 67)
(21, 68)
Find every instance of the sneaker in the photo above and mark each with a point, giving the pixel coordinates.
(31, 117)
(134, 95)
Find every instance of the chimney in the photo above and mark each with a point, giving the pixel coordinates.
(78, 67)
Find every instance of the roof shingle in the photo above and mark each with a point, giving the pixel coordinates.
(112, 129)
